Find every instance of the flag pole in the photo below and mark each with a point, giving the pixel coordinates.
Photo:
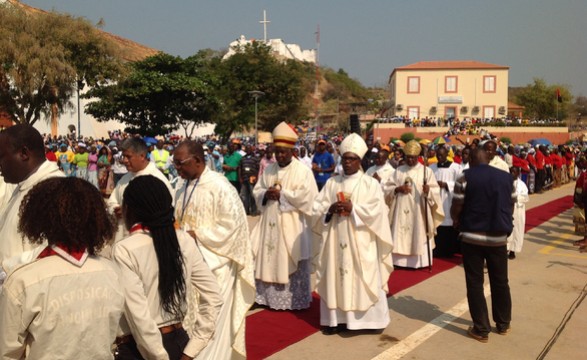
(426, 216)
(559, 100)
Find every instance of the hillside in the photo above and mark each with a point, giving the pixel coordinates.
(338, 96)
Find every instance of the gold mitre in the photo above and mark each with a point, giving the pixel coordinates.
(284, 135)
(412, 148)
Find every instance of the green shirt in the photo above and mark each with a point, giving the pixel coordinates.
(81, 160)
(232, 160)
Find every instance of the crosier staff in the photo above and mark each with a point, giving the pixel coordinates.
(426, 213)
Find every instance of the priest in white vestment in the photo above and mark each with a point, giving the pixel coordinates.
(134, 158)
(5, 191)
(446, 174)
(282, 239)
(516, 239)
(490, 146)
(354, 261)
(382, 170)
(23, 166)
(416, 210)
(208, 207)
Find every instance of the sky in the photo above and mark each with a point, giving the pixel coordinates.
(367, 38)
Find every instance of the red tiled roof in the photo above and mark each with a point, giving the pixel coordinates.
(449, 65)
(514, 106)
(130, 50)
(457, 64)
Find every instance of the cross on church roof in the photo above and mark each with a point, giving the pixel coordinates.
(264, 22)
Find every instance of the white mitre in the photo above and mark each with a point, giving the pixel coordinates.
(355, 144)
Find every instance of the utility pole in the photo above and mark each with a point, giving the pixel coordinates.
(316, 88)
(80, 86)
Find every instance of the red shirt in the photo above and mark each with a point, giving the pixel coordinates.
(521, 163)
(50, 155)
(531, 160)
(556, 160)
(540, 160)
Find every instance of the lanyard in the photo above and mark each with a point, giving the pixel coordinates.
(185, 202)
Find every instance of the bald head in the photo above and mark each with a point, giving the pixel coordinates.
(193, 148)
(25, 136)
(479, 157)
(21, 152)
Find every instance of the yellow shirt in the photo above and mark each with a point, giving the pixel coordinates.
(64, 156)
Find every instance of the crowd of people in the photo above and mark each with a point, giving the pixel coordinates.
(470, 125)
(154, 234)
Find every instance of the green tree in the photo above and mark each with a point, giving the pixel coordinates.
(580, 107)
(540, 100)
(405, 137)
(505, 140)
(43, 56)
(254, 68)
(160, 94)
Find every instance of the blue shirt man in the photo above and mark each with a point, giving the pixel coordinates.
(322, 164)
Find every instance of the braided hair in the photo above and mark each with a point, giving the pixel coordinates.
(147, 201)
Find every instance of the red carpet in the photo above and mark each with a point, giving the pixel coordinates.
(270, 331)
(543, 213)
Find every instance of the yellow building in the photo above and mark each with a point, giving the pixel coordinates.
(449, 89)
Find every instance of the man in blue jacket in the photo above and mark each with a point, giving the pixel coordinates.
(482, 211)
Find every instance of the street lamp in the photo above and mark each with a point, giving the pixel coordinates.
(256, 94)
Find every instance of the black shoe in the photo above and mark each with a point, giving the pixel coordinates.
(329, 330)
(512, 255)
(503, 330)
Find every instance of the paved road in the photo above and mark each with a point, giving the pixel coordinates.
(429, 321)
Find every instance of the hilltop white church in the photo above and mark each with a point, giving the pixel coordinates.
(280, 49)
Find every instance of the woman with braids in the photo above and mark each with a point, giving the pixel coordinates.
(68, 302)
(157, 264)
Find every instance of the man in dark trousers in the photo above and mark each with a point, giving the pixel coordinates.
(482, 211)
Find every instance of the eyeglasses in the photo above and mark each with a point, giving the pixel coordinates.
(181, 162)
(350, 158)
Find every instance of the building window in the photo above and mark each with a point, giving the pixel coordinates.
(413, 112)
(488, 112)
(413, 84)
(450, 84)
(489, 84)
